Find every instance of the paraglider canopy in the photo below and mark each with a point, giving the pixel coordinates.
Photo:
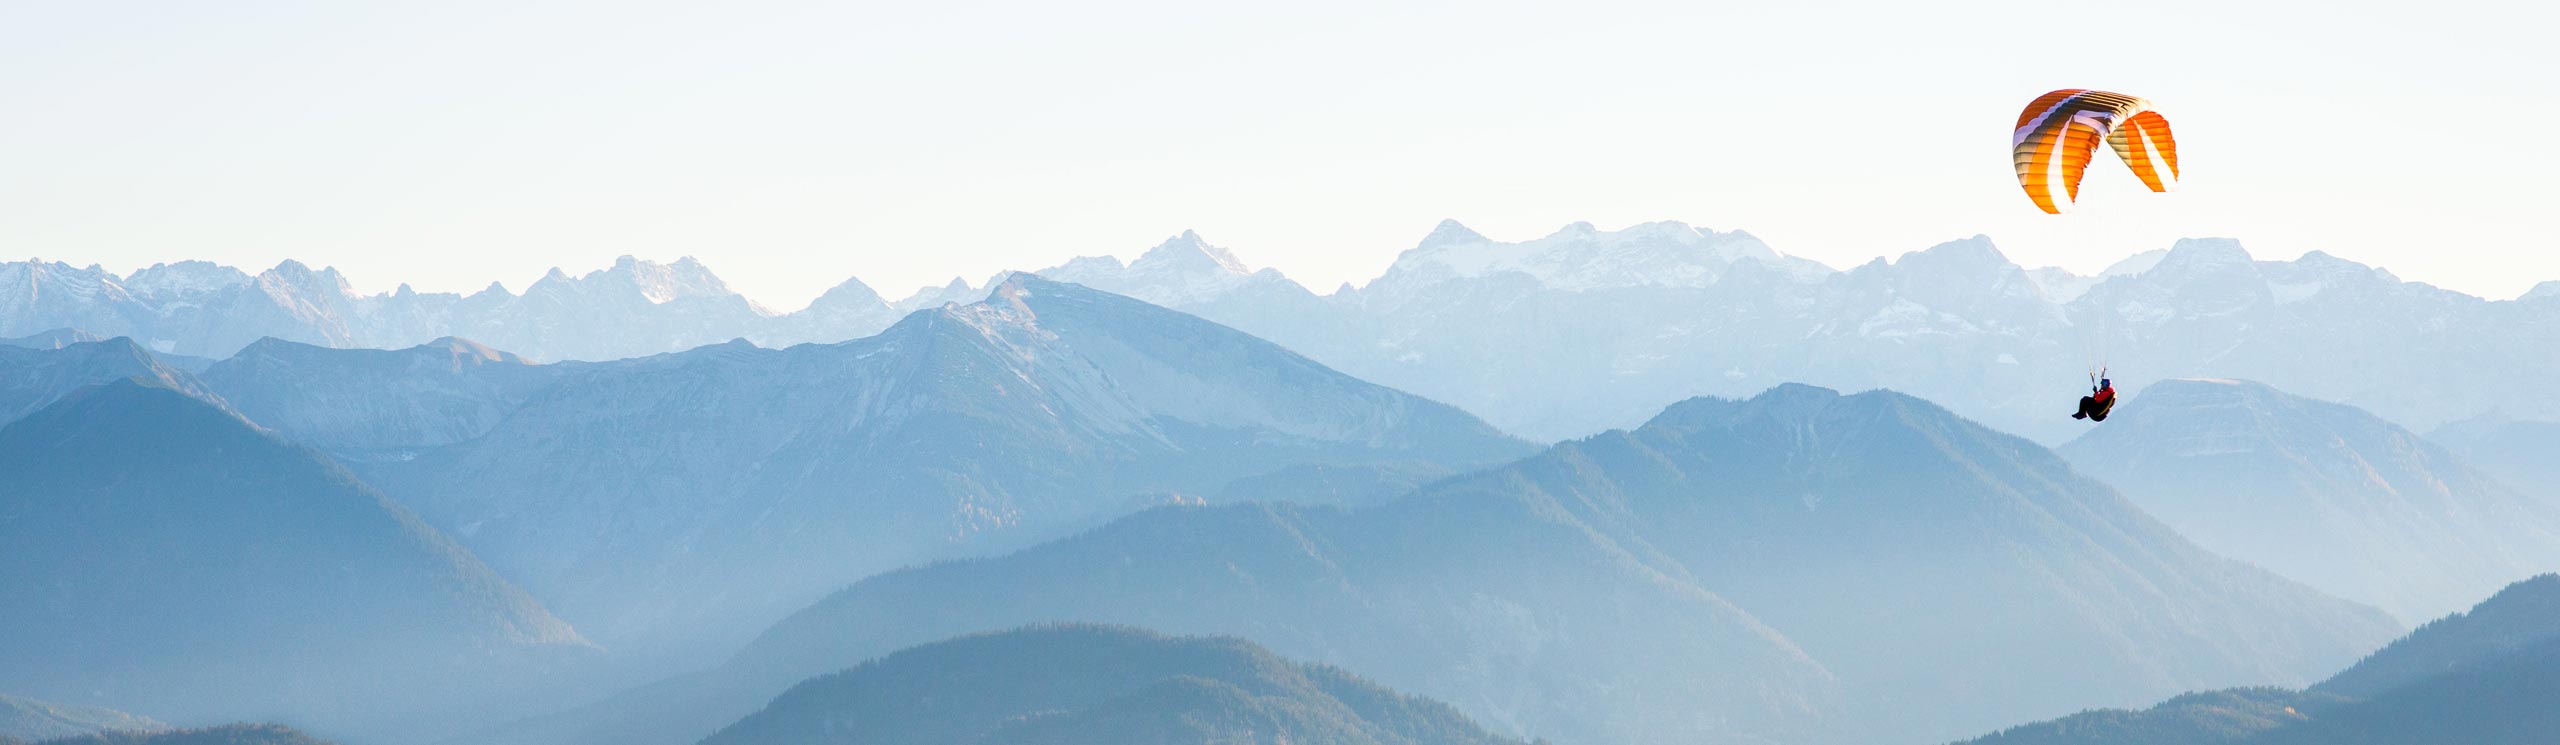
(2058, 134)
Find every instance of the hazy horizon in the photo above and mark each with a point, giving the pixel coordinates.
(894, 293)
(794, 145)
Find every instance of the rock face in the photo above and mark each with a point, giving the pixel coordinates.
(1734, 571)
(686, 499)
(2321, 492)
(1079, 683)
(162, 551)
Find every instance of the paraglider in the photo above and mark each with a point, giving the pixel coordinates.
(2056, 137)
(2058, 134)
(2101, 399)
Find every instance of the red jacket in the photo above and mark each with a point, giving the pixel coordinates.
(2104, 395)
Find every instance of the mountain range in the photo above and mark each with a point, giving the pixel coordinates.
(1096, 684)
(1586, 329)
(679, 502)
(661, 463)
(1562, 336)
(1734, 571)
(2320, 492)
(2491, 675)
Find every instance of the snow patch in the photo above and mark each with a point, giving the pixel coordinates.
(2288, 293)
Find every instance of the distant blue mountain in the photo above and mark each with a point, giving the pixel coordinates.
(1802, 566)
(2321, 492)
(33, 377)
(26, 720)
(1097, 684)
(1559, 336)
(52, 339)
(167, 556)
(2489, 676)
(2519, 451)
(673, 505)
(368, 403)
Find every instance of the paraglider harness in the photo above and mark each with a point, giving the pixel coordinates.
(2101, 398)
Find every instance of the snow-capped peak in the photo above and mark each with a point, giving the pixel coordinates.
(294, 278)
(1188, 253)
(2191, 254)
(957, 291)
(183, 278)
(1583, 257)
(851, 292)
(1182, 269)
(1451, 232)
(1976, 252)
(663, 283)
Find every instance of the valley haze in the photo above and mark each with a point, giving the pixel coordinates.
(686, 518)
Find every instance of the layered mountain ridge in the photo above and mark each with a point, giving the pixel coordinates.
(2488, 675)
(1560, 336)
(1734, 571)
(163, 552)
(2321, 492)
(1084, 683)
(662, 501)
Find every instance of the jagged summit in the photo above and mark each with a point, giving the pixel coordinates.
(1450, 232)
(852, 291)
(2198, 254)
(1181, 271)
(1977, 249)
(1577, 257)
(1187, 252)
(184, 277)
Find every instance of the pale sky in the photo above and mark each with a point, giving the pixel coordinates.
(791, 145)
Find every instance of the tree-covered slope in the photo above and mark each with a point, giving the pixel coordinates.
(1094, 684)
(2489, 676)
